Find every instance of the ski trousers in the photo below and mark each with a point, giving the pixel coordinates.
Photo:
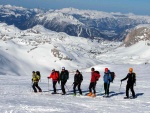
(92, 86)
(131, 87)
(35, 85)
(106, 88)
(74, 88)
(63, 86)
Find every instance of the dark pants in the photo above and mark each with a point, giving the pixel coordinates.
(74, 88)
(92, 86)
(54, 86)
(130, 86)
(35, 85)
(63, 86)
(106, 88)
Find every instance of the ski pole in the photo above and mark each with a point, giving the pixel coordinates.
(48, 85)
(69, 87)
(31, 87)
(102, 88)
(120, 86)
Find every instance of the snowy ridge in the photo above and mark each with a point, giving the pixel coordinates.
(74, 22)
(86, 13)
(142, 25)
(57, 16)
(48, 48)
(93, 14)
(13, 10)
(89, 23)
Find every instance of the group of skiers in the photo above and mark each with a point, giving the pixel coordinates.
(62, 78)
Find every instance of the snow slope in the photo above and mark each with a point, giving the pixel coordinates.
(16, 95)
(138, 53)
(39, 48)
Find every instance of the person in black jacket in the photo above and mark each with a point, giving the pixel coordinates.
(64, 76)
(78, 78)
(131, 76)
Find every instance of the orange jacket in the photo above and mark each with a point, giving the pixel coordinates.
(54, 76)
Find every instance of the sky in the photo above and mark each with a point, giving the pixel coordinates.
(139, 7)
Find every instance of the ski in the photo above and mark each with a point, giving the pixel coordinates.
(106, 96)
(126, 98)
(133, 97)
(55, 93)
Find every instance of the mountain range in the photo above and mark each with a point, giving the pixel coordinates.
(74, 22)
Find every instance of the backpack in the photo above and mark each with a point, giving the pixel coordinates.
(97, 77)
(67, 74)
(97, 72)
(38, 73)
(112, 76)
(58, 74)
(81, 77)
(134, 77)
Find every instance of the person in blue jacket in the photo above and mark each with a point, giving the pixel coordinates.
(107, 78)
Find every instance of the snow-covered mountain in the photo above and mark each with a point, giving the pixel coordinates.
(75, 22)
(139, 33)
(134, 50)
(17, 16)
(41, 48)
(86, 23)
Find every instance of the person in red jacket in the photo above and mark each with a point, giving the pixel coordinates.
(55, 78)
(94, 78)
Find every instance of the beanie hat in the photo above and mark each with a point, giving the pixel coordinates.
(106, 69)
(77, 71)
(92, 69)
(33, 71)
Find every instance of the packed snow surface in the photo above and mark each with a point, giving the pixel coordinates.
(16, 94)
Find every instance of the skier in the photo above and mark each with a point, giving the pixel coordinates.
(78, 78)
(55, 78)
(64, 76)
(107, 78)
(131, 76)
(35, 80)
(94, 78)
